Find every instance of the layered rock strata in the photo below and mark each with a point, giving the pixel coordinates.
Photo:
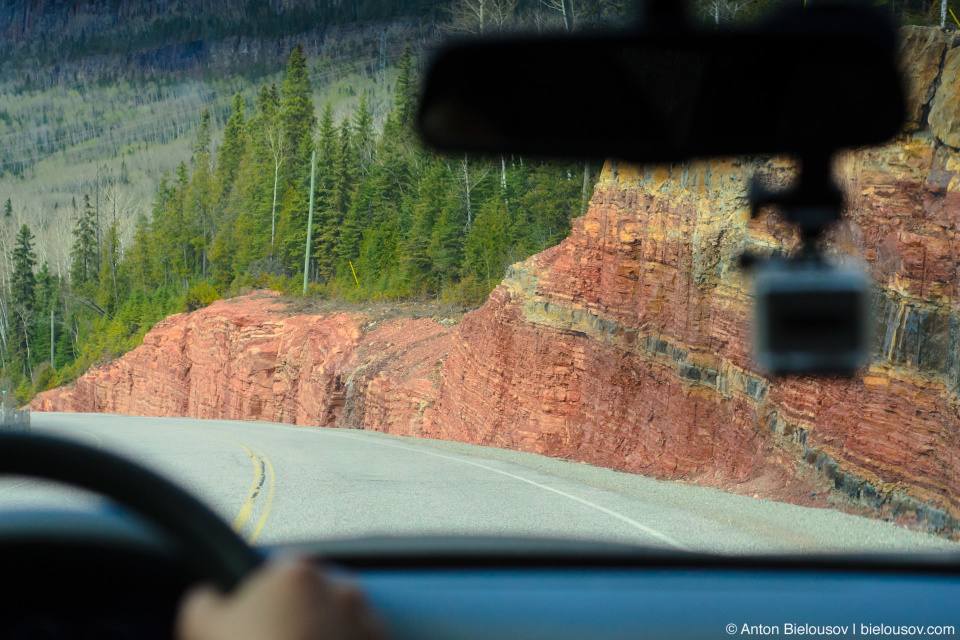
(627, 345)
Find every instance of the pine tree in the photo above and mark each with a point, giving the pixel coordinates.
(487, 242)
(327, 143)
(108, 294)
(84, 259)
(202, 145)
(233, 147)
(336, 203)
(23, 292)
(201, 201)
(418, 259)
(8, 209)
(23, 281)
(406, 92)
(173, 228)
(351, 234)
(162, 237)
(297, 111)
(47, 293)
(138, 264)
(363, 135)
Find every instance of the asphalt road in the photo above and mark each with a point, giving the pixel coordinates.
(280, 483)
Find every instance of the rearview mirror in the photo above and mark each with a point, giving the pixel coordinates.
(800, 84)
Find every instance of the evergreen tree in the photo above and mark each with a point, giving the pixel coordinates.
(108, 294)
(173, 229)
(138, 265)
(384, 209)
(418, 258)
(202, 146)
(84, 259)
(297, 112)
(406, 92)
(233, 147)
(23, 293)
(47, 296)
(23, 281)
(336, 202)
(488, 242)
(363, 135)
(8, 209)
(201, 201)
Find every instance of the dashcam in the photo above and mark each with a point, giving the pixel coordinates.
(811, 316)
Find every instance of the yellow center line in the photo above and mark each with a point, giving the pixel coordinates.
(244, 514)
(266, 508)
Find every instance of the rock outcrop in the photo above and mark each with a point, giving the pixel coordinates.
(627, 345)
(250, 358)
(634, 332)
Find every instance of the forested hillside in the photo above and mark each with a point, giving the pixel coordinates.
(391, 219)
(156, 157)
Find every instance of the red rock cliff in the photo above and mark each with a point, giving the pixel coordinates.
(626, 345)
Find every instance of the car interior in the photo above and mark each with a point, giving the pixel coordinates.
(120, 572)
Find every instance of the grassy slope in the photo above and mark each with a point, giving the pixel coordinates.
(94, 127)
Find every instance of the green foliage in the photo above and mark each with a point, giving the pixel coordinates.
(23, 282)
(24, 391)
(391, 220)
(46, 379)
(297, 113)
(200, 295)
(84, 256)
(233, 147)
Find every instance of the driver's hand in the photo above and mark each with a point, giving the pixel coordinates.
(288, 600)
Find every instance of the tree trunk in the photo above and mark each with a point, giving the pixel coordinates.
(943, 13)
(26, 338)
(466, 190)
(273, 213)
(113, 265)
(116, 294)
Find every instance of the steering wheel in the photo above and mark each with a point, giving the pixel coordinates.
(219, 553)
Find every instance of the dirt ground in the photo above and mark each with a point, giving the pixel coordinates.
(445, 314)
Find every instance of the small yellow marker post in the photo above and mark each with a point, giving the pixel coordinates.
(954, 16)
(354, 273)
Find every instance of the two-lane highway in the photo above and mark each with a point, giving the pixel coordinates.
(278, 483)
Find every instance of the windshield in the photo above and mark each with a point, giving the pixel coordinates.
(228, 257)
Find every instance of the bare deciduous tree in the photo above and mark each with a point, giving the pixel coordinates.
(470, 16)
(566, 11)
(469, 182)
(721, 11)
(273, 134)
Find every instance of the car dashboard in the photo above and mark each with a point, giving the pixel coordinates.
(108, 575)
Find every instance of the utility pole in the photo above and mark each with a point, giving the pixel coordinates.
(943, 13)
(306, 256)
(51, 339)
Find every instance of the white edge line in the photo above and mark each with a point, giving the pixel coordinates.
(619, 516)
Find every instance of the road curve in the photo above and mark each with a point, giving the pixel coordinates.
(282, 483)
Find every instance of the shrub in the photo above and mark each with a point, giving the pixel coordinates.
(201, 295)
(24, 392)
(46, 379)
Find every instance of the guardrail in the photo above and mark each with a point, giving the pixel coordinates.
(14, 419)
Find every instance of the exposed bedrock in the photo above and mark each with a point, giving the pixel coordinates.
(627, 345)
